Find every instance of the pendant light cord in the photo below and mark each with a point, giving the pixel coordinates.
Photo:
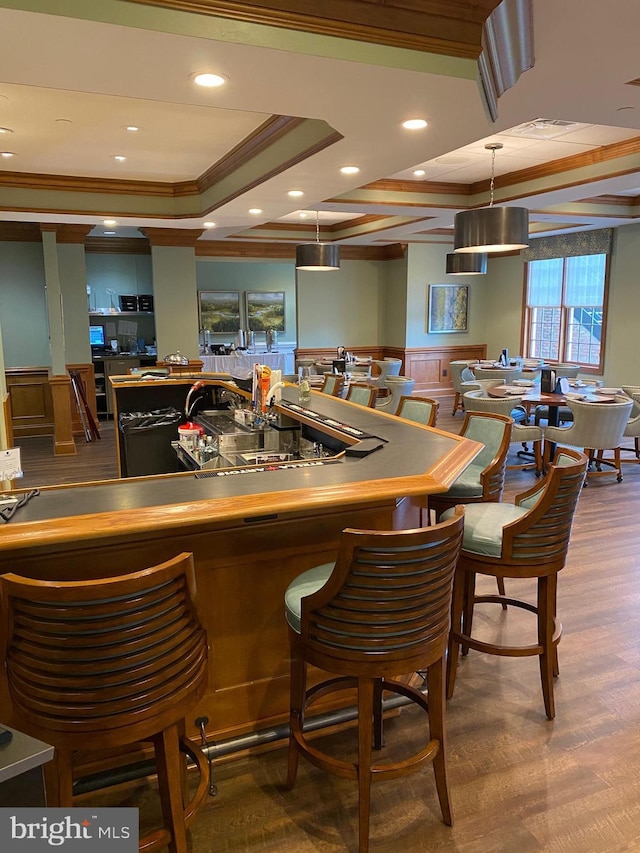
(493, 168)
(317, 226)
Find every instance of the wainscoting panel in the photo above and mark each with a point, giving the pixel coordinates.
(430, 366)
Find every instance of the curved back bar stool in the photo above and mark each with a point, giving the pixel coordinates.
(333, 384)
(460, 372)
(420, 410)
(526, 539)
(381, 611)
(101, 664)
(363, 395)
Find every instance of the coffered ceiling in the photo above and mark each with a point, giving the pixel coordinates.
(306, 94)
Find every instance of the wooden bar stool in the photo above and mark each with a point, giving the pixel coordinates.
(97, 664)
(381, 611)
(526, 539)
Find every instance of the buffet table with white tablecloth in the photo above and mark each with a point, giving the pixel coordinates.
(242, 363)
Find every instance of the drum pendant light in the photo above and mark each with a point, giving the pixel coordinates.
(466, 263)
(318, 257)
(491, 229)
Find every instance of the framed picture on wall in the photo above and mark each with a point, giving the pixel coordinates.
(220, 310)
(265, 310)
(448, 308)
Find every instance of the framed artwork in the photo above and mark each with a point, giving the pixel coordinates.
(265, 310)
(219, 310)
(448, 309)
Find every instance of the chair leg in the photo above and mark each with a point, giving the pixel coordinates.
(537, 452)
(501, 590)
(58, 780)
(365, 745)
(435, 685)
(169, 770)
(453, 649)
(467, 611)
(378, 731)
(547, 587)
(296, 712)
(456, 403)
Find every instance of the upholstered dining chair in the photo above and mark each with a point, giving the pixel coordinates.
(420, 410)
(504, 374)
(460, 372)
(522, 433)
(333, 384)
(101, 664)
(381, 611)
(398, 386)
(632, 429)
(596, 427)
(483, 479)
(525, 539)
(363, 395)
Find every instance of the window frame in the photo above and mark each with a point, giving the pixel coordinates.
(564, 314)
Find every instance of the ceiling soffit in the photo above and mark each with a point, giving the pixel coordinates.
(278, 144)
(449, 27)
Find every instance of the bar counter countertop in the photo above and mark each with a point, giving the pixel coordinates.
(251, 530)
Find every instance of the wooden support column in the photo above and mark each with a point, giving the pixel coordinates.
(63, 441)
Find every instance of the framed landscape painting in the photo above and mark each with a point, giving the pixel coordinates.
(265, 310)
(220, 310)
(448, 310)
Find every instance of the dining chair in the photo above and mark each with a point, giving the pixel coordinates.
(333, 384)
(379, 613)
(363, 395)
(526, 539)
(420, 410)
(632, 429)
(504, 374)
(483, 478)
(596, 427)
(522, 433)
(398, 386)
(460, 372)
(103, 664)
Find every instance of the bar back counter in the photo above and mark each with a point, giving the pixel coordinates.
(251, 528)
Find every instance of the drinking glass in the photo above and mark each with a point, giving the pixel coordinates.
(304, 384)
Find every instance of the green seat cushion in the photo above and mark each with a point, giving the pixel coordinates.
(305, 584)
(483, 526)
(467, 485)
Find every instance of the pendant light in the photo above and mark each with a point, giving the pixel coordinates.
(491, 229)
(318, 257)
(466, 263)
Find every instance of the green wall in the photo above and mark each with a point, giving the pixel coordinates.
(23, 307)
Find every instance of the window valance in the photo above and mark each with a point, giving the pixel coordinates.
(596, 242)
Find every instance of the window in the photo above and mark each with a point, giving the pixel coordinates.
(564, 309)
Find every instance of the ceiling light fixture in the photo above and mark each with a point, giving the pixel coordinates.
(350, 170)
(109, 222)
(209, 224)
(255, 211)
(466, 263)
(419, 173)
(318, 257)
(414, 124)
(208, 80)
(491, 229)
(5, 130)
(132, 128)
(7, 154)
(295, 193)
(119, 157)
(109, 233)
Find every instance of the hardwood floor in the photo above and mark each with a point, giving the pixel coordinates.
(519, 783)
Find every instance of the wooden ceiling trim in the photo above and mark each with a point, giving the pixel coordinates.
(445, 27)
(281, 251)
(20, 232)
(185, 237)
(421, 187)
(117, 246)
(69, 183)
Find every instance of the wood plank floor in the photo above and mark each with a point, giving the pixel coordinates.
(519, 783)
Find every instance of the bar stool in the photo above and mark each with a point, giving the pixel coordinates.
(526, 539)
(382, 610)
(97, 664)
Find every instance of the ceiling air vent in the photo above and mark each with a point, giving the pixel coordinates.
(544, 128)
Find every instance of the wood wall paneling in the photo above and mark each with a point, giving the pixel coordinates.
(429, 366)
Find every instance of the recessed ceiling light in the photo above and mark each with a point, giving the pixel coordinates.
(295, 193)
(419, 173)
(5, 130)
(209, 224)
(109, 222)
(7, 154)
(303, 215)
(209, 81)
(349, 170)
(414, 124)
(254, 211)
(119, 157)
(63, 121)
(108, 233)
(132, 128)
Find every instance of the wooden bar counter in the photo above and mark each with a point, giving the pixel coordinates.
(251, 531)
